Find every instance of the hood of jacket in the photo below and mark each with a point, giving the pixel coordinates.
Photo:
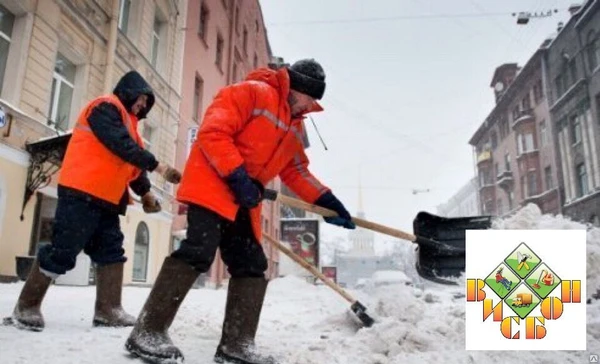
(130, 87)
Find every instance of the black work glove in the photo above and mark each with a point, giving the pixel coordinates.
(169, 173)
(329, 201)
(247, 191)
(150, 204)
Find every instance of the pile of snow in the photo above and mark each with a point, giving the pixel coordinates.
(385, 277)
(301, 323)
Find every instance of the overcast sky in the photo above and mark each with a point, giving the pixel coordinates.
(407, 86)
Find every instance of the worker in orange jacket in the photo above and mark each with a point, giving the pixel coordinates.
(104, 157)
(251, 133)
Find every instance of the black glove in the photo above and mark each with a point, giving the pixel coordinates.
(247, 191)
(329, 201)
(150, 203)
(172, 175)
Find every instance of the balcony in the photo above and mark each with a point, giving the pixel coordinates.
(488, 186)
(529, 155)
(485, 156)
(505, 180)
(542, 197)
(525, 117)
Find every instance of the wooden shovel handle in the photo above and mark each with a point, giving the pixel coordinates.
(287, 251)
(293, 202)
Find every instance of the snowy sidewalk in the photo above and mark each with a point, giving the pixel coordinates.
(301, 323)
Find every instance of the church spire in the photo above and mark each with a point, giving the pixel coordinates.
(360, 212)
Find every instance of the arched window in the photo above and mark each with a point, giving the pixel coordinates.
(140, 252)
(593, 45)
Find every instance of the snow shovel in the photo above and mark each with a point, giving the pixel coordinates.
(358, 308)
(440, 240)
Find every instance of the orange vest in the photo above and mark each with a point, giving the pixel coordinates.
(248, 123)
(92, 168)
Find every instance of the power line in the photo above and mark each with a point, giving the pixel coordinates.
(393, 18)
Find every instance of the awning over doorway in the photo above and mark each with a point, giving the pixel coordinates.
(46, 159)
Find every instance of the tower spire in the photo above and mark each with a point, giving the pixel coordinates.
(360, 212)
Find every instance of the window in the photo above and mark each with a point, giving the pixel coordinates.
(538, 92)
(124, 15)
(140, 253)
(148, 136)
(219, 53)
(523, 187)
(504, 128)
(488, 207)
(593, 50)
(245, 40)
(234, 72)
(526, 102)
(154, 47)
(496, 169)
(572, 72)
(559, 84)
(484, 178)
(198, 89)
(525, 143)
(575, 130)
(255, 61)
(203, 22)
(507, 162)
(516, 113)
(511, 199)
(256, 26)
(548, 178)
(582, 183)
(62, 93)
(532, 184)
(7, 21)
(543, 133)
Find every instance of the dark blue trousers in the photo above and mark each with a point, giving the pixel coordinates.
(207, 231)
(80, 224)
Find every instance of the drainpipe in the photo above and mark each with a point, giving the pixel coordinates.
(557, 165)
(111, 47)
(231, 33)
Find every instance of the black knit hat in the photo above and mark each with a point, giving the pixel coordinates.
(308, 77)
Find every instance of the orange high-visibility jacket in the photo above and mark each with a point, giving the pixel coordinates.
(92, 168)
(248, 123)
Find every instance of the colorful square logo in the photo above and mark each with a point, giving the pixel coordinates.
(528, 292)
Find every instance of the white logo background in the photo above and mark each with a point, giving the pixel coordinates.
(564, 251)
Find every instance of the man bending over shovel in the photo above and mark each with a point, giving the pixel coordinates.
(251, 133)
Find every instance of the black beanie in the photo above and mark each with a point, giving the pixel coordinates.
(308, 77)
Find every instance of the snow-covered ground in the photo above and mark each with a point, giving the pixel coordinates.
(301, 323)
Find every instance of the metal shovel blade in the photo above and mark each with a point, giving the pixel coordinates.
(441, 244)
(360, 311)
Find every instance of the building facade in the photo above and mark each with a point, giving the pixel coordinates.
(574, 72)
(553, 110)
(464, 203)
(515, 157)
(55, 56)
(224, 40)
